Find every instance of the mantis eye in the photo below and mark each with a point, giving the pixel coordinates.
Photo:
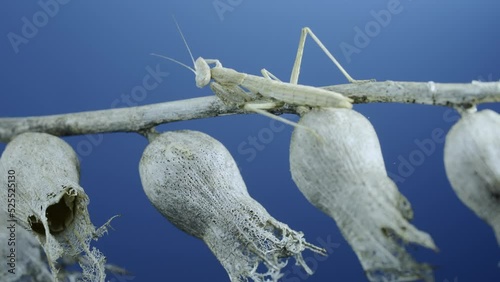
(202, 70)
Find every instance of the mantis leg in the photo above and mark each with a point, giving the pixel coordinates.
(231, 95)
(294, 78)
(267, 74)
(261, 108)
(214, 61)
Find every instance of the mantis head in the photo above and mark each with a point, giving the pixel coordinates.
(202, 71)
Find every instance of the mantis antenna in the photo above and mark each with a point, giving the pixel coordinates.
(187, 47)
(184, 39)
(201, 68)
(175, 61)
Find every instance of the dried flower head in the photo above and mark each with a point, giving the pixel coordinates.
(343, 174)
(194, 182)
(49, 201)
(472, 162)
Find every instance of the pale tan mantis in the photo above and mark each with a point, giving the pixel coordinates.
(229, 85)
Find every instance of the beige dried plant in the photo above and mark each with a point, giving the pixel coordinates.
(472, 162)
(194, 182)
(343, 174)
(49, 201)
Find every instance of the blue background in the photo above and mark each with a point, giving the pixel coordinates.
(92, 52)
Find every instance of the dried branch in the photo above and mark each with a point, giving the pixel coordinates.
(430, 93)
(133, 119)
(137, 119)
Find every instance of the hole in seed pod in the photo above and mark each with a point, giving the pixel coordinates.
(60, 215)
(495, 196)
(387, 232)
(36, 225)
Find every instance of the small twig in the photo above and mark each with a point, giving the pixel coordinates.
(133, 119)
(138, 119)
(430, 93)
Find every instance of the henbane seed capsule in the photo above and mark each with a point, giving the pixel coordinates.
(49, 202)
(194, 182)
(343, 174)
(472, 162)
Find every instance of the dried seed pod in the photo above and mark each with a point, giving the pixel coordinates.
(194, 182)
(472, 163)
(343, 174)
(42, 173)
(28, 260)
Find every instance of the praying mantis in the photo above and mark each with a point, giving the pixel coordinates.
(266, 92)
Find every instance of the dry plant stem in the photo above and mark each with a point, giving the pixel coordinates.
(428, 93)
(133, 119)
(136, 119)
